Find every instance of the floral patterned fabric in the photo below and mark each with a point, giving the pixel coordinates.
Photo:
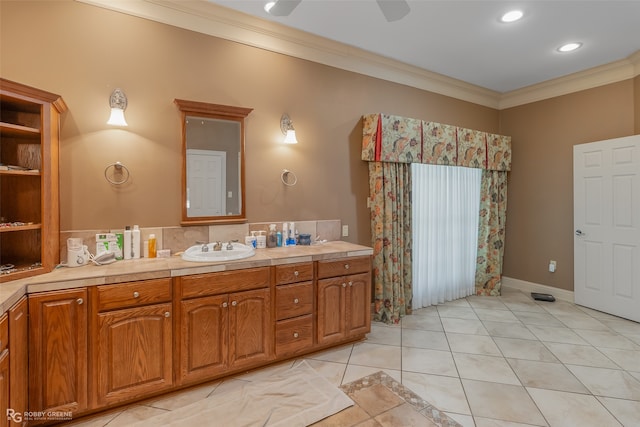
(401, 139)
(439, 144)
(498, 152)
(472, 148)
(370, 134)
(491, 232)
(390, 193)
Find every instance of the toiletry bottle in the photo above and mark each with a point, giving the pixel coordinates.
(135, 242)
(272, 239)
(127, 242)
(285, 234)
(261, 240)
(152, 245)
(291, 241)
(279, 238)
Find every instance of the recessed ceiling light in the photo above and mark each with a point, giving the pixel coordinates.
(268, 6)
(569, 47)
(511, 16)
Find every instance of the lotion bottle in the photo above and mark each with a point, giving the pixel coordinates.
(152, 246)
(135, 242)
(127, 242)
(285, 234)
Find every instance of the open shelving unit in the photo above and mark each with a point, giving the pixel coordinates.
(29, 180)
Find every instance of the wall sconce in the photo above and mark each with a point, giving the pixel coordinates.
(286, 125)
(118, 103)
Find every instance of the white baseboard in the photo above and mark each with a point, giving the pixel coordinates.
(524, 286)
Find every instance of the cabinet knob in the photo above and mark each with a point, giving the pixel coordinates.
(234, 303)
(350, 284)
(346, 266)
(136, 294)
(295, 273)
(295, 335)
(344, 285)
(167, 314)
(296, 300)
(225, 305)
(80, 301)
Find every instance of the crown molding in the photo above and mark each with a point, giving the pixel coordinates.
(214, 20)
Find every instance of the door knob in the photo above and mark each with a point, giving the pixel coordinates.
(580, 233)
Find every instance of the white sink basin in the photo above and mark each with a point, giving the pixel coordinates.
(239, 251)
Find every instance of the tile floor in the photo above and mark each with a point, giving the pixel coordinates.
(485, 362)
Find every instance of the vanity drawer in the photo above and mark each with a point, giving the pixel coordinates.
(343, 266)
(133, 294)
(223, 282)
(294, 335)
(293, 273)
(294, 300)
(4, 332)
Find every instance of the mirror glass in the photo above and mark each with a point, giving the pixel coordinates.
(213, 163)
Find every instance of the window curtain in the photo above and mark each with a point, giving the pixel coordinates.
(390, 191)
(445, 205)
(400, 140)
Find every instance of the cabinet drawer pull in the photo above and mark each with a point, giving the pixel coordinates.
(344, 285)
(296, 301)
(234, 303)
(295, 335)
(350, 284)
(167, 314)
(225, 305)
(136, 295)
(346, 266)
(80, 301)
(295, 273)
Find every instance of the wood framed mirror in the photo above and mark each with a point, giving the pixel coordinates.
(213, 170)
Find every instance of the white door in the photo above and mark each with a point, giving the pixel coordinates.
(206, 183)
(606, 215)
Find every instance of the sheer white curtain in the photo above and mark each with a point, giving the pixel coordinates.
(445, 206)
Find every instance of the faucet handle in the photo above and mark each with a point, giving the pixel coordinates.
(230, 245)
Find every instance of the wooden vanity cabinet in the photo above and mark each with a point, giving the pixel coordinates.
(294, 308)
(19, 360)
(132, 351)
(58, 355)
(225, 323)
(344, 299)
(4, 369)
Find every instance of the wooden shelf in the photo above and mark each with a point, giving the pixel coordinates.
(10, 129)
(20, 173)
(20, 228)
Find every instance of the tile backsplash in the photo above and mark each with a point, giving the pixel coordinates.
(177, 239)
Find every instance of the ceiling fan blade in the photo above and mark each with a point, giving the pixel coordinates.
(283, 7)
(394, 10)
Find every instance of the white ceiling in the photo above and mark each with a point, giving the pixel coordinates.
(464, 40)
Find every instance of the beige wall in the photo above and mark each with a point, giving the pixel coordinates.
(83, 52)
(540, 200)
(637, 104)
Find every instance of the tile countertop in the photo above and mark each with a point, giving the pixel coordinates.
(147, 268)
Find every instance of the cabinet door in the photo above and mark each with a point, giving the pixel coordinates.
(134, 353)
(250, 328)
(204, 338)
(358, 304)
(19, 362)
(58, 351)
(4, 387)
(331, 310)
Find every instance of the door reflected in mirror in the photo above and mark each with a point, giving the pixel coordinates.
(213, 163)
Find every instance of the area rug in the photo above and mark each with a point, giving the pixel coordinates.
(382, 399)
(297, 396)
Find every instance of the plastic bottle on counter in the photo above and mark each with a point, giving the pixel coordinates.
(152, 246)
(272, 238)
(261, 240)
(285, 234)
(127, 242)
(135, 242)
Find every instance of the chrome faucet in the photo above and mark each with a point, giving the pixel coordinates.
(204, 248)
(230, 244)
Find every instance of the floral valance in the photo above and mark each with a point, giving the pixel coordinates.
(387, 138)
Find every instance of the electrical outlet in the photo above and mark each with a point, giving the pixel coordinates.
(552, 266)
(345, 231)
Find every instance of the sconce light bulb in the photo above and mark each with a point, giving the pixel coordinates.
(290, 138)
(118, 103)
(117, 118)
